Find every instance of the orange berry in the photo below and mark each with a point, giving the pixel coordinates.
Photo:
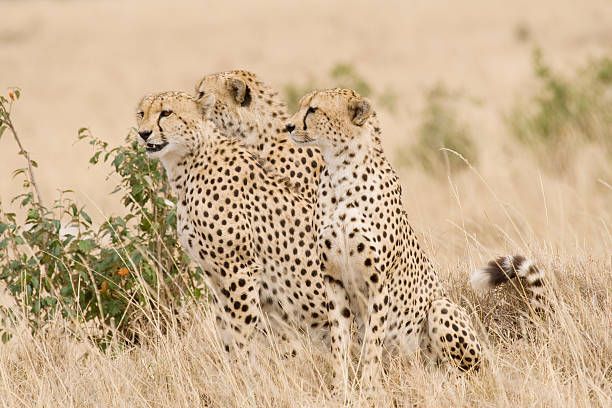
(104, 286)
(12, 96)
(123, 272)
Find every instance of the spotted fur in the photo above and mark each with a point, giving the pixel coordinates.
(248, 109)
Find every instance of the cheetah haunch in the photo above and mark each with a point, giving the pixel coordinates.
(249, 231)
(374, 267)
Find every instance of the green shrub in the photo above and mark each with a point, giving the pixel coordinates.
(293, 93)
(56, 261)
(564, 114)
(440, 129)
(346, 76)
(341, 75)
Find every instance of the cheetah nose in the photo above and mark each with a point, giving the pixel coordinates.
(289, 128)
(144, 134)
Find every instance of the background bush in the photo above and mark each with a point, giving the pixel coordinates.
(439, 131)
(341, 75)
(565, 113)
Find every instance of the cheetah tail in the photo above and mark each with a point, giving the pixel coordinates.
(503, 269)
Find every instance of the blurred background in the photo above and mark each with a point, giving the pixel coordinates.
(520, 89)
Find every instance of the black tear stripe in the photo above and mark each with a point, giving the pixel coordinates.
(159, 126)
(308, 112)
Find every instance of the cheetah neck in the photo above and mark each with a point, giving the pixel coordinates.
(178, 166)
(266, 135)
(344, 158)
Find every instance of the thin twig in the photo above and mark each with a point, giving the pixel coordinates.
(6, 120)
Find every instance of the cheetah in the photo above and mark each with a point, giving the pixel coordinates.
(374, 268)
(248, 230)
(250, 110)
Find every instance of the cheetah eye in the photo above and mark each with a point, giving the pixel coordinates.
(165, 113)
(200, 95)
(140, 114)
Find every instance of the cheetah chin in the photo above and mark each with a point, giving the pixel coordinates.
(301, 137)
(154, 148)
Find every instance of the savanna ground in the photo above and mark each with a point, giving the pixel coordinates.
(457, 74)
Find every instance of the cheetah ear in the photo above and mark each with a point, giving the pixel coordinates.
(360, 109)
(239, 91)
(205, 103)
(199, 92)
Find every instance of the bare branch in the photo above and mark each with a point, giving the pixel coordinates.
(6, 120)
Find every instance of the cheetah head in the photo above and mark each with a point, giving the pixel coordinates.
(329, 119)
(245, 107)
(169, 123)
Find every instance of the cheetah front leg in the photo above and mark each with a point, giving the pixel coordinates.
(221, 324)
(376, 317)
(339, 315)
(239, 300)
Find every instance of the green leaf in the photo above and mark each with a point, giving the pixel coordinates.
(17, 93)
(73, 210)
(85, 216)
(95, 158)
(57, 225)
(3, 227)
(66, 290)
(85, 245)
(36, 307)
(6, 336)
(2, 129)
(118, 160)
(83, 133)
(33, 215)
(26, 200)
(18, 172)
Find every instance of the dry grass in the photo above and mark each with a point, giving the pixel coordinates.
(565, 360)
